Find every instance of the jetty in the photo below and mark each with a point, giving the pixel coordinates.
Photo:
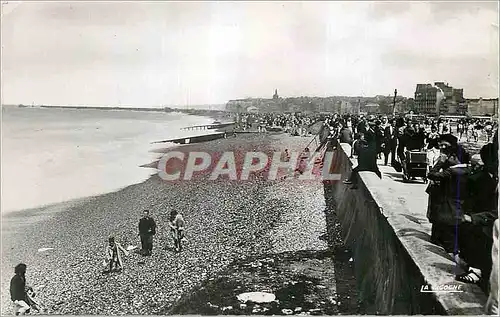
(195, 139)
(210, 126)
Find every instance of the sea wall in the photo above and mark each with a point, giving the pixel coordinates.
(393, 258)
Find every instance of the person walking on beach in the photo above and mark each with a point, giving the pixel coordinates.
(18, 289)
(113, 256)
(285, 157)
(147, 229)
(177, 225)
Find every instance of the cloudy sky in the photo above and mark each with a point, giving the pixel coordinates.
(150, 54)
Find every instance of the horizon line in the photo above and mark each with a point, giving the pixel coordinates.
(209, 104)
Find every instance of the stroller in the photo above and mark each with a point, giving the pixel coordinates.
(415, 165)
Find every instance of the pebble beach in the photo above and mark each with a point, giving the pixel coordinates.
(226, 221)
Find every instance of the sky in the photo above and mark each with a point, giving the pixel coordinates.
(185, 53)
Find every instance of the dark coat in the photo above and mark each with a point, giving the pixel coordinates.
(412, 140)
(147, 226)
(390, 140)
(482, 201)
(367, 158)
(449, 197)
(361, 127)
(358, 146)
(18, 288)
(379, 138)
(346, 136)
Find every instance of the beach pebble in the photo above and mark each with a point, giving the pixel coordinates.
(45, 249)
(256, 297)
(256, 310)
(315, 311)
(287, 311)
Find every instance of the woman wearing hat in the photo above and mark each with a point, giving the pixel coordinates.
(447, 192)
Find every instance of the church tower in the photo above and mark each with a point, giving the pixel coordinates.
(275, 96)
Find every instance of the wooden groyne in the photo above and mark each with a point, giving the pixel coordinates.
(195, 139)
(210, 126)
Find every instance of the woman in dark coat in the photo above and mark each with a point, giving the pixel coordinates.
(368, 161)
(447, 193)
(367, 157)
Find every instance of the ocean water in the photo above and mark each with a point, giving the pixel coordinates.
(56, 155)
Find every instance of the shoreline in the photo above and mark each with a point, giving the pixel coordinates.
(223, 220)
(135, 165)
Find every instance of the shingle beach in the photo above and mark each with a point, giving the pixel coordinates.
(226, 220)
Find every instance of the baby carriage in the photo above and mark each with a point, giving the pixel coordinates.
(415, 165)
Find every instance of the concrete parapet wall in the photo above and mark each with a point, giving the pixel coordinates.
(392, 253)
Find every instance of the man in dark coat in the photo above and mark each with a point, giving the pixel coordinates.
(355, 122)
(361, 126)
(390, 141)
(147, 229)
(379, 136)
(402, 127)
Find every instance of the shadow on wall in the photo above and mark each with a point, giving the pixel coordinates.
(387, 280)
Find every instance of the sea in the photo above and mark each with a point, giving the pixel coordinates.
(56, 155)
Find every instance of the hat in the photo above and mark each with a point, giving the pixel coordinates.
(448, 138)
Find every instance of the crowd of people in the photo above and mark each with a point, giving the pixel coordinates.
(472, 130)
(462, 188)
(294, 123)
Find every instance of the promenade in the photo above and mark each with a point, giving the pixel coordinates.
(384, 223)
